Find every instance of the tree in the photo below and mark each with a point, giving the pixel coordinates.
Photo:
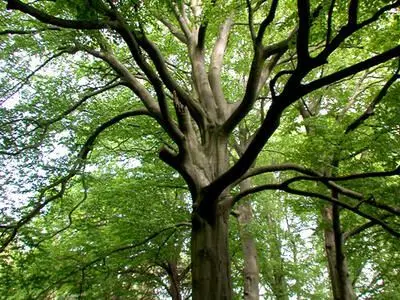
(194, 92)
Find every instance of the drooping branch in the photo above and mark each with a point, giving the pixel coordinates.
(114, 251)
(16, 88)
(61, 183)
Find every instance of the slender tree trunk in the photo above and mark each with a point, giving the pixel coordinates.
(341, 284)
(278, 281)
(174, 282)
(211, 278)
(250, 268)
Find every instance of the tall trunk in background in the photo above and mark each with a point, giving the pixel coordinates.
(341, 284)
(278, 279)
(250, 269)
(174, 288)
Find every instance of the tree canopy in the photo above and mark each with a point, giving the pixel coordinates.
(199, 149)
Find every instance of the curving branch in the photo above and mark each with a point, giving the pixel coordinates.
(285, 187)
(49, 19)
(371, 107)
(266, 22)
(328, 181)
(107, 254)
(175, 31)
(27, 32)
(350, 28)
(16, 88)
(74, 208)
(361, 228)
(61, 183)
(346, 72)
(109, 86)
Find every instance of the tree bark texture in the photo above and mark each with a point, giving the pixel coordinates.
(250, 269)
(342, 288)
(174, 281)
(211, 278)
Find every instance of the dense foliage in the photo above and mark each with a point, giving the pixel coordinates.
(132, 131)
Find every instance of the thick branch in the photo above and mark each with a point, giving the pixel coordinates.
(267, 21)
(303, 7)
(346, 72)
(49, 19)
(284, 187)
(214, 74)
(28, 31)
(178, 34)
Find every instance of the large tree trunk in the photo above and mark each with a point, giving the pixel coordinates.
(341, 284)
(211, 278)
